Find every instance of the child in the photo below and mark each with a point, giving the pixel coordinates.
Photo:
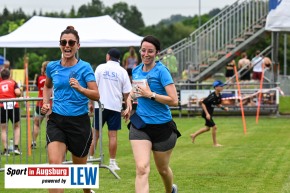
(208, 104)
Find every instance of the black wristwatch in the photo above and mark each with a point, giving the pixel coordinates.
(153, 96)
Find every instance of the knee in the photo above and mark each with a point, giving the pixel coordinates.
(55, 160)
(142, 170)
(164, 171)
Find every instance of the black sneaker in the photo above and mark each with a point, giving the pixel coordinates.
(5, 152)
(33, 145)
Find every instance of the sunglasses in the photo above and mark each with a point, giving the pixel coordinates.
(71, 43)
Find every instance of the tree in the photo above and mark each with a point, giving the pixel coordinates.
(91, 9)
(72, 12)
(128, 17)
(34, 63)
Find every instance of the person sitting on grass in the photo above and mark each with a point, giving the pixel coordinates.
(208, 105)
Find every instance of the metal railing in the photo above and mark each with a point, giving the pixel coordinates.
(214, 39)
(37, 156)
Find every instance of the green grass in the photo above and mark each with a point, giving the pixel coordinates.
(255, 162)
(284, 105)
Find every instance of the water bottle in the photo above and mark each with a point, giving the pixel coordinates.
(11, 145)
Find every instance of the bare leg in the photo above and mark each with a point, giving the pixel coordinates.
(94, 142)
(16, 133)
(194, 135)
(215, 143)
(112, 143)
(162, 163)
(37, 122)
(81, 160)
(141, 151)
(4, 135)
(56, 150)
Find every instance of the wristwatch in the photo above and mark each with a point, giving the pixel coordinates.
(153, 96)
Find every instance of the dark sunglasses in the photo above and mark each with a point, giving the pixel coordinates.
(71, 43)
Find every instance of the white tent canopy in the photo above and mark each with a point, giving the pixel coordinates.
(278, 18)
(44, 32)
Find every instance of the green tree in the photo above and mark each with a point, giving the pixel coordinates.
(168, 34)
(95, 8)
(34, 63)
(128, 17)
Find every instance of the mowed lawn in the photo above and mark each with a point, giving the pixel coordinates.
(255, 162)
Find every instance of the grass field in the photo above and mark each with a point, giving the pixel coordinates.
(255, 162)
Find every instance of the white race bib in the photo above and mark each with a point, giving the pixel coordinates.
(8, 105)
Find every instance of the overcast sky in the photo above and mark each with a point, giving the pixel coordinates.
(152, 10)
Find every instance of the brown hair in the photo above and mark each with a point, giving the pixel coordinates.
(153, 40)
(44, 65)
(71, 30)
(5, 73)
(244, 54)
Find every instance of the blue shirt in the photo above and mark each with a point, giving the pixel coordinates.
(153, 112)
(66, 100)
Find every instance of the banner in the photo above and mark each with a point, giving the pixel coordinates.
(51, 176)
(19, 76)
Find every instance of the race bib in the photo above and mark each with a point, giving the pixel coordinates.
(8, 105)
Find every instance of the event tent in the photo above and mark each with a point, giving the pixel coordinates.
(278, 18)
(44, 32)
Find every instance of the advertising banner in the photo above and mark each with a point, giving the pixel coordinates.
(51, 176)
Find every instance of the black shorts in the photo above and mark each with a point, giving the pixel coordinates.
(230, 73)
(209, 123)
(162, 136)
(12, 114)
(74, 131)
(246, 75)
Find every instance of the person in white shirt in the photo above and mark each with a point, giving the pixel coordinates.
(114, 85)
(257, 63)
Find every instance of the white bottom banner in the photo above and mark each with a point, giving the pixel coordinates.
(51, 176)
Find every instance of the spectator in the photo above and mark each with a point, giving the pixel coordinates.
(73, 82)
(244, 64)
(6, 65)
(170, 61)
(9, 89)
(230, 69)
(38, 117)
(131, 62)
(114, 84)
(126, 55)
(257, 63)
(267, 63)
(152, 127)
(208, 105)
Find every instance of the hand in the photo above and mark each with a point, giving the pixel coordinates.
(143, 91)
(208, 116)
(45, 108)
(127, 113)
(91, 107)
(74, 83)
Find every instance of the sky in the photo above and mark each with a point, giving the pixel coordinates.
(152, 11)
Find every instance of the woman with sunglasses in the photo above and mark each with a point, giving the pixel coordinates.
(73, 83)
(152, 127)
